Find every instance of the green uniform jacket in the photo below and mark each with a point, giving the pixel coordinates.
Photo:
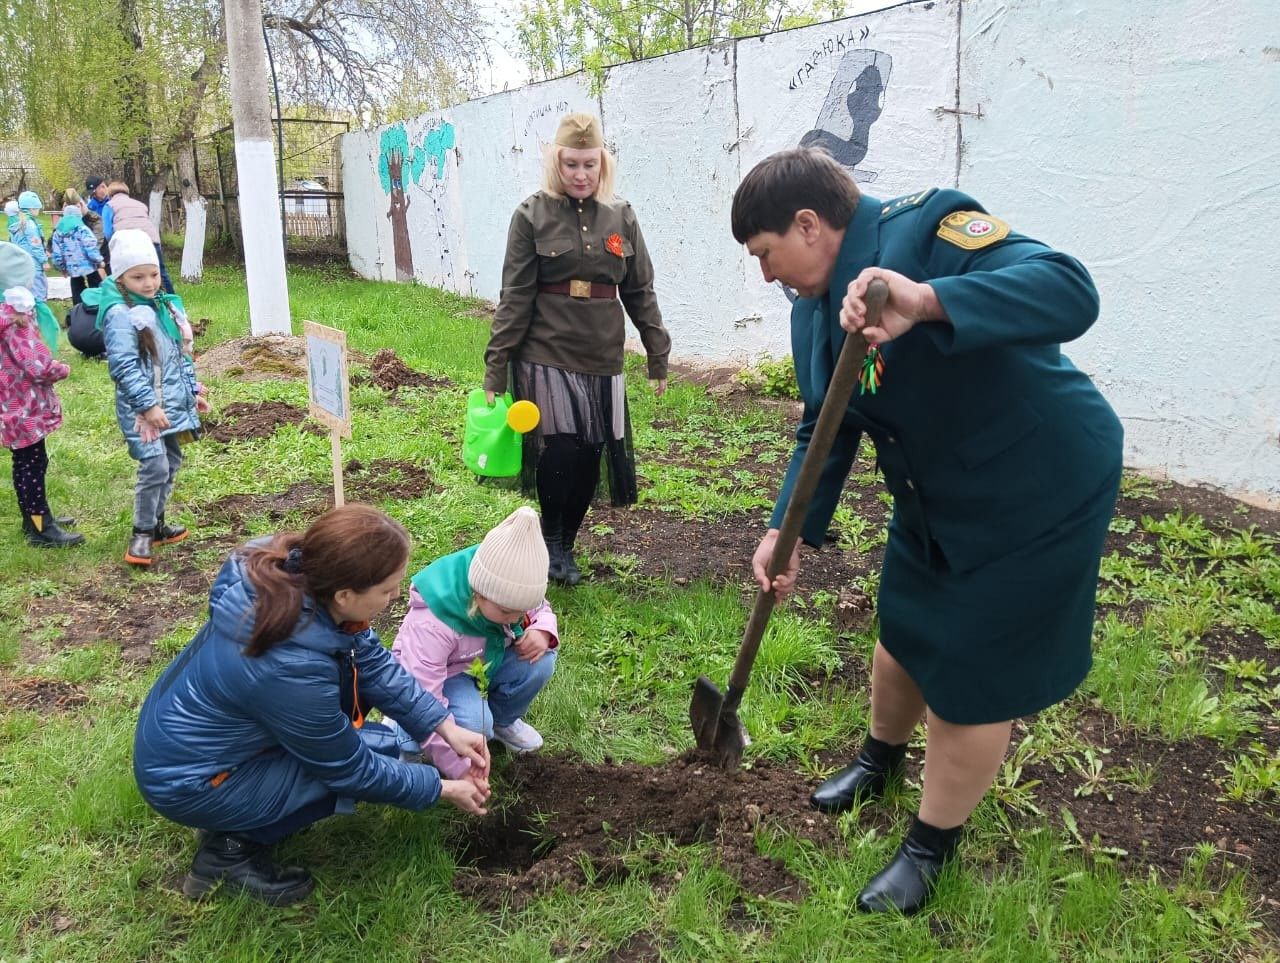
(986, 434)
(552, 240)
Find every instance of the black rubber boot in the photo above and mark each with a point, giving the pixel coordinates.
(572, 574)
(139, 550)
(906, 884)
(166, 534)
(43, 531)
(246, 865)
(555, 558)
(865, 778)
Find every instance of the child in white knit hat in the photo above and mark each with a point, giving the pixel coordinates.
(158, 400)
(480, 637)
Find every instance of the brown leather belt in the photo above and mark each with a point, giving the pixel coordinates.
(583, 290)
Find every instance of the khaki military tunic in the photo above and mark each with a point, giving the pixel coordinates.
(560, 240)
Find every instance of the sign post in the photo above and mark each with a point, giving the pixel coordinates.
(328, 391)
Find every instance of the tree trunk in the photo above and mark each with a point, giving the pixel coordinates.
(155, 203)
(193, 205)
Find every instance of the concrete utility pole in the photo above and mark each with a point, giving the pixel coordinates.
(259, 201)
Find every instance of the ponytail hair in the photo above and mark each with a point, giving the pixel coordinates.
(354, 547)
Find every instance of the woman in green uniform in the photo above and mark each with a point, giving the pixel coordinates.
(1002, 458)
(575, 259)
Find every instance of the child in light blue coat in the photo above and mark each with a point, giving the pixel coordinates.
(75, 252)
(158, 400)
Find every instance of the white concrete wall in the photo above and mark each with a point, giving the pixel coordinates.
(1145, 139)
(1141, 138)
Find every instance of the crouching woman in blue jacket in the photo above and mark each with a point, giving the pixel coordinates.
(257, 729)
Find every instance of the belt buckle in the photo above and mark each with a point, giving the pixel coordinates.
(580, 289)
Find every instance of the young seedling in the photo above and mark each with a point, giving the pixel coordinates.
(479, 670)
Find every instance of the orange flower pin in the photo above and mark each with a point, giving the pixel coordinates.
(613, 244)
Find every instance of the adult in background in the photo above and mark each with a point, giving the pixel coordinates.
(257, 729)
(574, 251)
(98, 206)
(1003, 460)
(131, 214)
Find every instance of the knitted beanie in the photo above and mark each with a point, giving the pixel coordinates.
(30, 201)
(17, 269)
(12, 209)
(129, 248)
(510, 567)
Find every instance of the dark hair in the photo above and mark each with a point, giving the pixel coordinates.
(146, 340)
(354, 547)
(790, 181)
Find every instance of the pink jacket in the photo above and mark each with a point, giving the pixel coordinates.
(433, 652)
(130, 213)
(29, 407)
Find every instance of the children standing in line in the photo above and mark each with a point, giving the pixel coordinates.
(479, 618)
(29, 407)
(158, 400)
(75, 252)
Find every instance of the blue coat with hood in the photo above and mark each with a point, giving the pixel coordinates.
(229, 742)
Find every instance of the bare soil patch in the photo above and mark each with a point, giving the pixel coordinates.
(40, 695)
(243, 420)
(389, 373)
(567, 814)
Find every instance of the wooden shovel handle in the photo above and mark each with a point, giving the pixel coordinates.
(834, 405)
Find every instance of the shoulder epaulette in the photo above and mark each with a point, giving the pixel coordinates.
(905, 203)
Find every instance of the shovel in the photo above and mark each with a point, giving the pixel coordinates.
(714, 714)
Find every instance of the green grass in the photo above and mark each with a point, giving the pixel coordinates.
(89, 873)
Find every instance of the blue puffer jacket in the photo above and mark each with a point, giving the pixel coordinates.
(135, 377)
(75, 250)
(278, 715)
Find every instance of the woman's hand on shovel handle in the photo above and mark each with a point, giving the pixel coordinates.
(909, 303)
(785, 580)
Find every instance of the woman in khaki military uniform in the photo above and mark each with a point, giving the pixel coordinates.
(575, 259)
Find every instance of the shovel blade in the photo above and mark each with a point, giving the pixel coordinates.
(716, 727)
(704, 712)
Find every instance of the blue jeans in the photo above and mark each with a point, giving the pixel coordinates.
(511, 692)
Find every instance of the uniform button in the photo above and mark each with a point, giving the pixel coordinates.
(910, 485)
(890, 439)
(588, 247)
(584, 227)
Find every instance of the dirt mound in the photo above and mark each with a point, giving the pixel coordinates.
(40, 695)
(254, 419)
(572, 824)
(388, 372)
(255, 358)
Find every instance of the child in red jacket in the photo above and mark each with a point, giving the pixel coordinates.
(29, 407)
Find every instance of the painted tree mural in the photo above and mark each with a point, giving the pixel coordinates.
(401, 165)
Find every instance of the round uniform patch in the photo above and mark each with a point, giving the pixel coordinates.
(972, 230)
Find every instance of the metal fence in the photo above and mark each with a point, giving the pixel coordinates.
(311, 199)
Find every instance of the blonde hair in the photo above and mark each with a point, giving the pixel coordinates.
(553, 185)
(117, 187)
(71, 196)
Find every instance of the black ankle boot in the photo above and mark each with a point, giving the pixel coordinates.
(244, 864)
(555, 558)
(43, 531)
(139, 550)
(906, 884)
(166, 534)
(572, 574)
(866, 777)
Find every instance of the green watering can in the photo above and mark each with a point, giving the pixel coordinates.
(491, 443)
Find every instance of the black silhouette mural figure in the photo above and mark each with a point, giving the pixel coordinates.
(854, 102)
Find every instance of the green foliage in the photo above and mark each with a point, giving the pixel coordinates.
(557, 37)
(773, 378)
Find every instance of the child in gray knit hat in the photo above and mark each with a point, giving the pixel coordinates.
(480, 637)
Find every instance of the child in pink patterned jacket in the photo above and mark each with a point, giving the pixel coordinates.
(480, 637)
(29, 407)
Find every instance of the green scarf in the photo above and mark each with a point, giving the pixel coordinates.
(445, 588)
(68, 224)
(162, 303)
(48, 325)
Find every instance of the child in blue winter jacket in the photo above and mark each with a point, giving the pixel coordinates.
(480, 637)
(24, 231)
(158, 400)
(75, 252)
